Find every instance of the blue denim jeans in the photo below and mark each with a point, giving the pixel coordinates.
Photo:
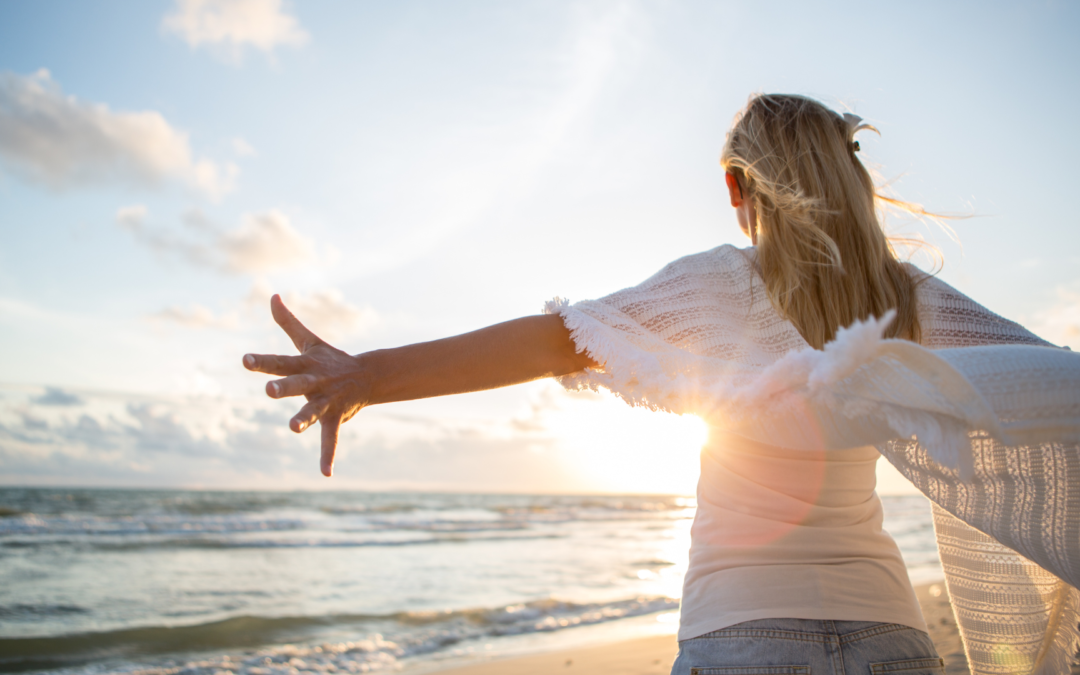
(809, 647)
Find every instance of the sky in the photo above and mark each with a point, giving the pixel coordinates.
(405, 171)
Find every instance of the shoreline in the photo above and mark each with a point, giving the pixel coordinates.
(653, 655)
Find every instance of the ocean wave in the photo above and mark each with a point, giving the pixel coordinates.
(29, 530)
(18, 654)
(542, 615)
(401, 635)
(26, 612)
(210, 543)
(118, 503)
(33, 524)
(15, 528)
(441, 525)
(354, 509)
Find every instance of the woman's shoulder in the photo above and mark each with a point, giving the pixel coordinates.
(724, 269)
(725, 257)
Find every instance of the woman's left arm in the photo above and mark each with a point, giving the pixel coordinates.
(338, 385)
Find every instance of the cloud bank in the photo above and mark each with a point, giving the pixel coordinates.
(58, 141)
(117, 439)
(128, 439)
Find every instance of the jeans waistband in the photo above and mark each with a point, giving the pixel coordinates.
(811, 630)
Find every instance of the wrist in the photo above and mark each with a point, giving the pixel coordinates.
(368, 378)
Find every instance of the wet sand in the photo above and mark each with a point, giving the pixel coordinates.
(654, 655)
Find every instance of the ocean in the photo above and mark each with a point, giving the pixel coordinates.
(273, 583)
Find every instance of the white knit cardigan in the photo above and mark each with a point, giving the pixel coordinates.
(987, 425)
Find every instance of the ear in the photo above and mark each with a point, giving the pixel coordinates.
(734, 189)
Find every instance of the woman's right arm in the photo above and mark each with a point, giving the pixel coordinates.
(338, 385)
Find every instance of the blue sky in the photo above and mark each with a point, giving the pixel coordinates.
(405, 171)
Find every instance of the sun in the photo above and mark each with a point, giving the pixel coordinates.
(622, 449)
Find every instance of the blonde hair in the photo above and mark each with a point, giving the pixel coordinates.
(824, 256)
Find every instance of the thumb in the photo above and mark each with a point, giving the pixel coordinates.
(297, 332)
(330, 425)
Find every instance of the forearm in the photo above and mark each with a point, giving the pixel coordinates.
(508, 353)
(338, 385)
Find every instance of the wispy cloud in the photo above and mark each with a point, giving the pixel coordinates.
(131, 217)
(326, 312)
(58, 141)
(197, 316)
(232, 25)
(262, 243)
(243, 148)
(56, 397)
(1060, 323)
(197, 251)
(265, 242)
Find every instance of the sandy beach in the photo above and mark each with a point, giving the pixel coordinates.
(654, 655)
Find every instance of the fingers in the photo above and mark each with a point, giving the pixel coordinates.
(293, 385)
(274, 364)
(308, 415)
(330, 425)
(297, 332)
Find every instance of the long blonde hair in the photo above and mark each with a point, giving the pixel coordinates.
(824, 256)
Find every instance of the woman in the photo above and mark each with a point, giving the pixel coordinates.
(789, 568)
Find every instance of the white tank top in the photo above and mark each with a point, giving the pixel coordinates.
(793, 534)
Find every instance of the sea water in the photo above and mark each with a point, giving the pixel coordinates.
(269, 583)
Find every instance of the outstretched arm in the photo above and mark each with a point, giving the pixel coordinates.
(338, 385)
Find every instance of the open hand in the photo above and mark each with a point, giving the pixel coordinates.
(332, 381)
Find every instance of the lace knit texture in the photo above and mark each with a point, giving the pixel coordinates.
(987, 425)
(1027, 497)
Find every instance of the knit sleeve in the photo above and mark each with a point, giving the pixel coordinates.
(704, 308)
(625, 333)
(697, 312)
(951, 319)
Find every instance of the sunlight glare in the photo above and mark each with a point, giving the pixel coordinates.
(631, 450)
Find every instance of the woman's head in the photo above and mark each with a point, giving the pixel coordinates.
(824, 256)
